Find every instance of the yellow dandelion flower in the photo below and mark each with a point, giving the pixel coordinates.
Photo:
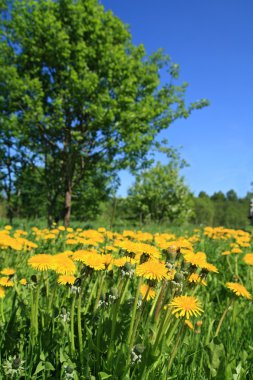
(152, 270)
(64, 265)
(71, 241)
(151, 291)
(236, 250)
(197, 259)
(238, 289)
(42, 262)
(186, 306)
(8, 228)
(248, 259)
(210, 267)
(66, 279)
(189, 324)
(94, 262)
(2, 292)
(195, 278)
(61, 228)
(23, 281)
(8, 271)
(171, 274)
(121, 261)
(226, 253)
(4, 281)
(107, 259)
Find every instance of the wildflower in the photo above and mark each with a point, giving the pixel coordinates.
(23, 281)
(210, 267)
(236, 250)
(42, 262)
(120, 262)
(226, 253)
(2, 292)
(238, 289)
(107, 259)
(4, 281)
(194, 277)
(63, 264)
(189, 324)
(186, 306)
(151, 292)
(152, 270)
(197, 259)
(66, 279)
(248, 259)
(94, 261)
(8, 271)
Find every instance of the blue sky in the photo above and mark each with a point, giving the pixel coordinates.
(211, 40)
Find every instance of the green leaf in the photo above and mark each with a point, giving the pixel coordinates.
(103, 375)
(40, 367)
(49, 366)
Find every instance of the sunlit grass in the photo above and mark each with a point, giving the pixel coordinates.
(97, 304)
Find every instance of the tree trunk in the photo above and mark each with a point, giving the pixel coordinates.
(67, 208)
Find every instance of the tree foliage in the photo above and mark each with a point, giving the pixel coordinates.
(77, 95)
(160, 194)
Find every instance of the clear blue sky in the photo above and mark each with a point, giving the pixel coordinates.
(211, 40)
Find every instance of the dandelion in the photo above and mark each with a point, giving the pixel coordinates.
(8, 271)
(195, 278)
(42, 262)
(120, 262)
(248, 259)
(4, 281)
(210, 268)
(238, 289)
(23, 281)
(198, 259)
(64, 265)
(226, 253)
(189, 324)
(66, 279)
(94, 261)
(2, 292)
(186, 306)
(152, 270)
(151, 291)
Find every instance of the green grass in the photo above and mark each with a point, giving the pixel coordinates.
(99, 329)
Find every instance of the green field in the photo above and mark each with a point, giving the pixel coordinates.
(96, 304)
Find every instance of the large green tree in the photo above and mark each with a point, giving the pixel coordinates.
(80, 95)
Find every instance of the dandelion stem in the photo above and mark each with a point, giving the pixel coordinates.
(72, 321)
(99, 290)
(134, 311)
(223, 317)
(79, 327)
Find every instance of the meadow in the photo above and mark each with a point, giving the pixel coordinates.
(97, 304)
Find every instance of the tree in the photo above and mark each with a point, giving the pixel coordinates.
(203, 210)
(160, 194)
(81, 94)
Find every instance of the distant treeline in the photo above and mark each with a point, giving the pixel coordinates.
(219, 209)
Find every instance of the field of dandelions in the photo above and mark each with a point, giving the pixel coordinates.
(96, 304)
